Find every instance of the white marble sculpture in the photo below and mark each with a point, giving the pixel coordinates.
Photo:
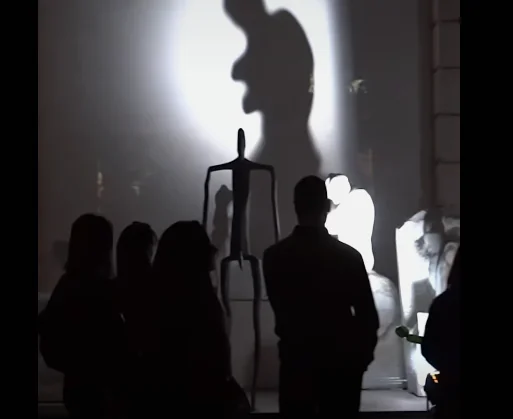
(426, 246)
(351, 220)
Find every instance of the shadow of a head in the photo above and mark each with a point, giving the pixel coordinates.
(277, 66)
(221, 221)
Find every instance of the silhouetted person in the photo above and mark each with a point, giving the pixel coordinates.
(324, 310)
(81, 334)
(277, 68)
(195, 360)
(441, 342)
(134, 254)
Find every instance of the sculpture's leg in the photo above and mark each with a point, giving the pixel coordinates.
(257, 296)
(225, 291)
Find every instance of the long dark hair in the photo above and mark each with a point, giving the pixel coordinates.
(184, 254)
(134, 250)
(90, 246)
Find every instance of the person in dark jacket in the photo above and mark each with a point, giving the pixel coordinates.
(441, 343)
(325, 316)
(81, 334)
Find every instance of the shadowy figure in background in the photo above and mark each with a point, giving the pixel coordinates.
(134, 253)
(221, 221)
(439, 246)
(441, 344)
(81, 334)
(221, 224)
(325, 316)
(195, 360)
(277, 68)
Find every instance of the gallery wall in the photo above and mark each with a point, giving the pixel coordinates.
(446, 109)
(137, 99)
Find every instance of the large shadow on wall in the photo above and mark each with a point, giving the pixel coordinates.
(385, 115)
(277, 69)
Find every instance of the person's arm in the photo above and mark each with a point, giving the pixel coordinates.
(271, 281)
(365, 310)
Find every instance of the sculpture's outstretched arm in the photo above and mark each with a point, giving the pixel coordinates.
(210, 170)
(274, 200)
(205, 200)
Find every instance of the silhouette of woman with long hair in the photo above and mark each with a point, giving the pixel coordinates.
(80, 331)
(195, 351)
(134, 254)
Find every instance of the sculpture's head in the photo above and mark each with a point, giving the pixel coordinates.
(241, 143)
(338, 187)
(432, 241)
(352, 220)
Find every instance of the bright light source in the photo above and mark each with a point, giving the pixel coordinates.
(205, 44)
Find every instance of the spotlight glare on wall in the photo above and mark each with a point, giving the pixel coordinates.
(210, 102)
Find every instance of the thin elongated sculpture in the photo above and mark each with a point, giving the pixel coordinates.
(241, 169)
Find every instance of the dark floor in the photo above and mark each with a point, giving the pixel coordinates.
(363, 415)
(388, 404)
(57, 412)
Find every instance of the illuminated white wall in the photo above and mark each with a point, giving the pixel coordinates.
(209, 101)
(141, 91)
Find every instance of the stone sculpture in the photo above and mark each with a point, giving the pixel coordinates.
(426, 246)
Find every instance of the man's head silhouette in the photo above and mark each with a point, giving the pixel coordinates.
(311, 201)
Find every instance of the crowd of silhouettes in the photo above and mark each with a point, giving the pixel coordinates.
(153, 339)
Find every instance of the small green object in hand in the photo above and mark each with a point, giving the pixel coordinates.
(414, 339)
(404, 333)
